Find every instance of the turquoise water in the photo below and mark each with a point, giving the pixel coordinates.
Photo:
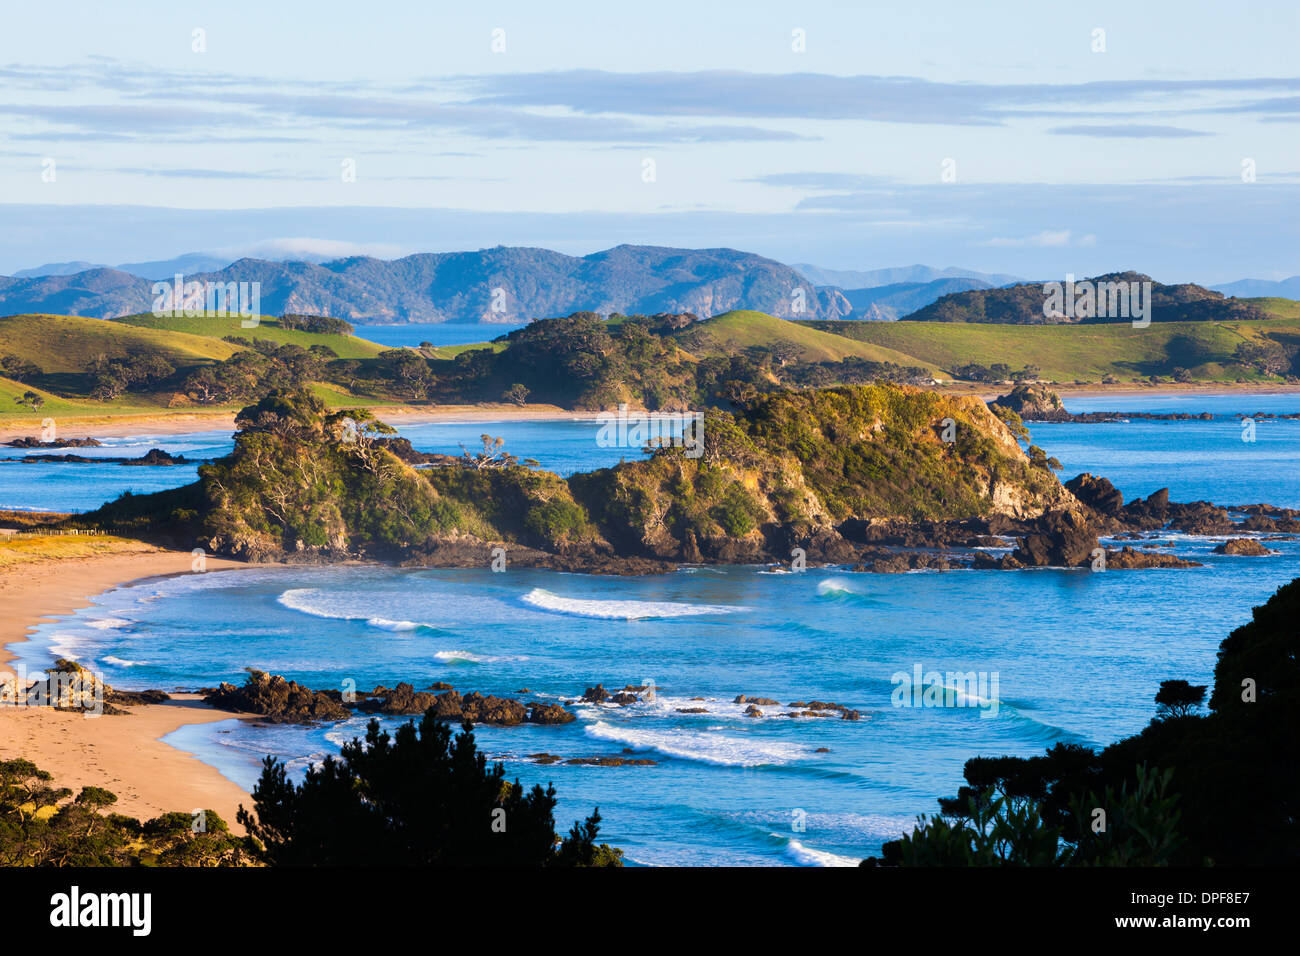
(1077, 657)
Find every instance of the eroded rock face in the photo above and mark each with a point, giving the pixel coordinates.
(1244, 547)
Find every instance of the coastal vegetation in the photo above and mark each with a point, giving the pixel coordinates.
(42, 824)
(1191, 789)
(419, 797)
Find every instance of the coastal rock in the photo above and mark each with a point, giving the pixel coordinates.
(1244, 547)
(764, 701)
(752, 711)
(540, 713)
(30, 441)
(595, 695)
(1130, 559)
(1097, 493)
(1149, 512)
(70, 686)
(1034, 402)
(610, 762)
(1062, 539)
(278, 700)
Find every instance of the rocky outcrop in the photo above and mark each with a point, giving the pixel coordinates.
(1097, 493)
(277, 700)
(1062, 539)
(70, 686)
(31, 441)
(1130, 559)
(1244, 547)
(1034, 402)
(451, 706)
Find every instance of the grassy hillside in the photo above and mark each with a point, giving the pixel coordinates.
(1276, 308)
(268, 329)
(68, 343)
(735, 331)
(1067, 353)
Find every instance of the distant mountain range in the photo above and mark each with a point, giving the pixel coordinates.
(849, 279)
(503, 285)
(1254, 288)
(888, 303)
(536, 283)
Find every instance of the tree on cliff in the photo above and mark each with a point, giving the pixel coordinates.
(1226, 792)
(420, 797)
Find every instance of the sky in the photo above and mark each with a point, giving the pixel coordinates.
(1026, 138)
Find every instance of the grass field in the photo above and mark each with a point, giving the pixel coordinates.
(1067, 353)
(268, 328)
(737, 330)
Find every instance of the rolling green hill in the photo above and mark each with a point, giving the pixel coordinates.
(268, 329)
(1067, 353)
(734, 331)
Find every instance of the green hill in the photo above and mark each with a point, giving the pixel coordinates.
(268, 329)
(736, 331)
(1067, 353)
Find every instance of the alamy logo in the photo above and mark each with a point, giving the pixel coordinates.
(73, 909)
(1104, 300)
(190, 299)
(922, 688)
(626, 429)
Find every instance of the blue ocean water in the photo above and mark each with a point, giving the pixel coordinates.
(439, 333)
(562, 446)
(1077, 657)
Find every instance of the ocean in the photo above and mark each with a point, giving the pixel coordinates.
(1065, 655)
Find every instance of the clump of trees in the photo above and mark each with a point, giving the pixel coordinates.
(19, 369)
(110, 377)
(254, 371)
(320, 324)
(419, 797)
(997, 372)
(1267, 357)
(45, 825)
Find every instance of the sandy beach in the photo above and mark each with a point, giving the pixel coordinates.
(179, 423)
(122, 753)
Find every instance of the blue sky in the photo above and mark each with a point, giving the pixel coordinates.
(994, 136)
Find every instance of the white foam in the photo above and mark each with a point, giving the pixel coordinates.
(106, 623)
(833, 587)
(297, 599)
(620, 610)
(110, 659)
(474, 658)
(807, 856)
(386, 625)
(704, 747)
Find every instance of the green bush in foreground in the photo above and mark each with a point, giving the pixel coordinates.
(420, 797)
(44, 825)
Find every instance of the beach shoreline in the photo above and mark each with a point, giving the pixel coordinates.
(123, 753)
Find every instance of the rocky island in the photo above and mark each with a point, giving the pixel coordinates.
(881, 477)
